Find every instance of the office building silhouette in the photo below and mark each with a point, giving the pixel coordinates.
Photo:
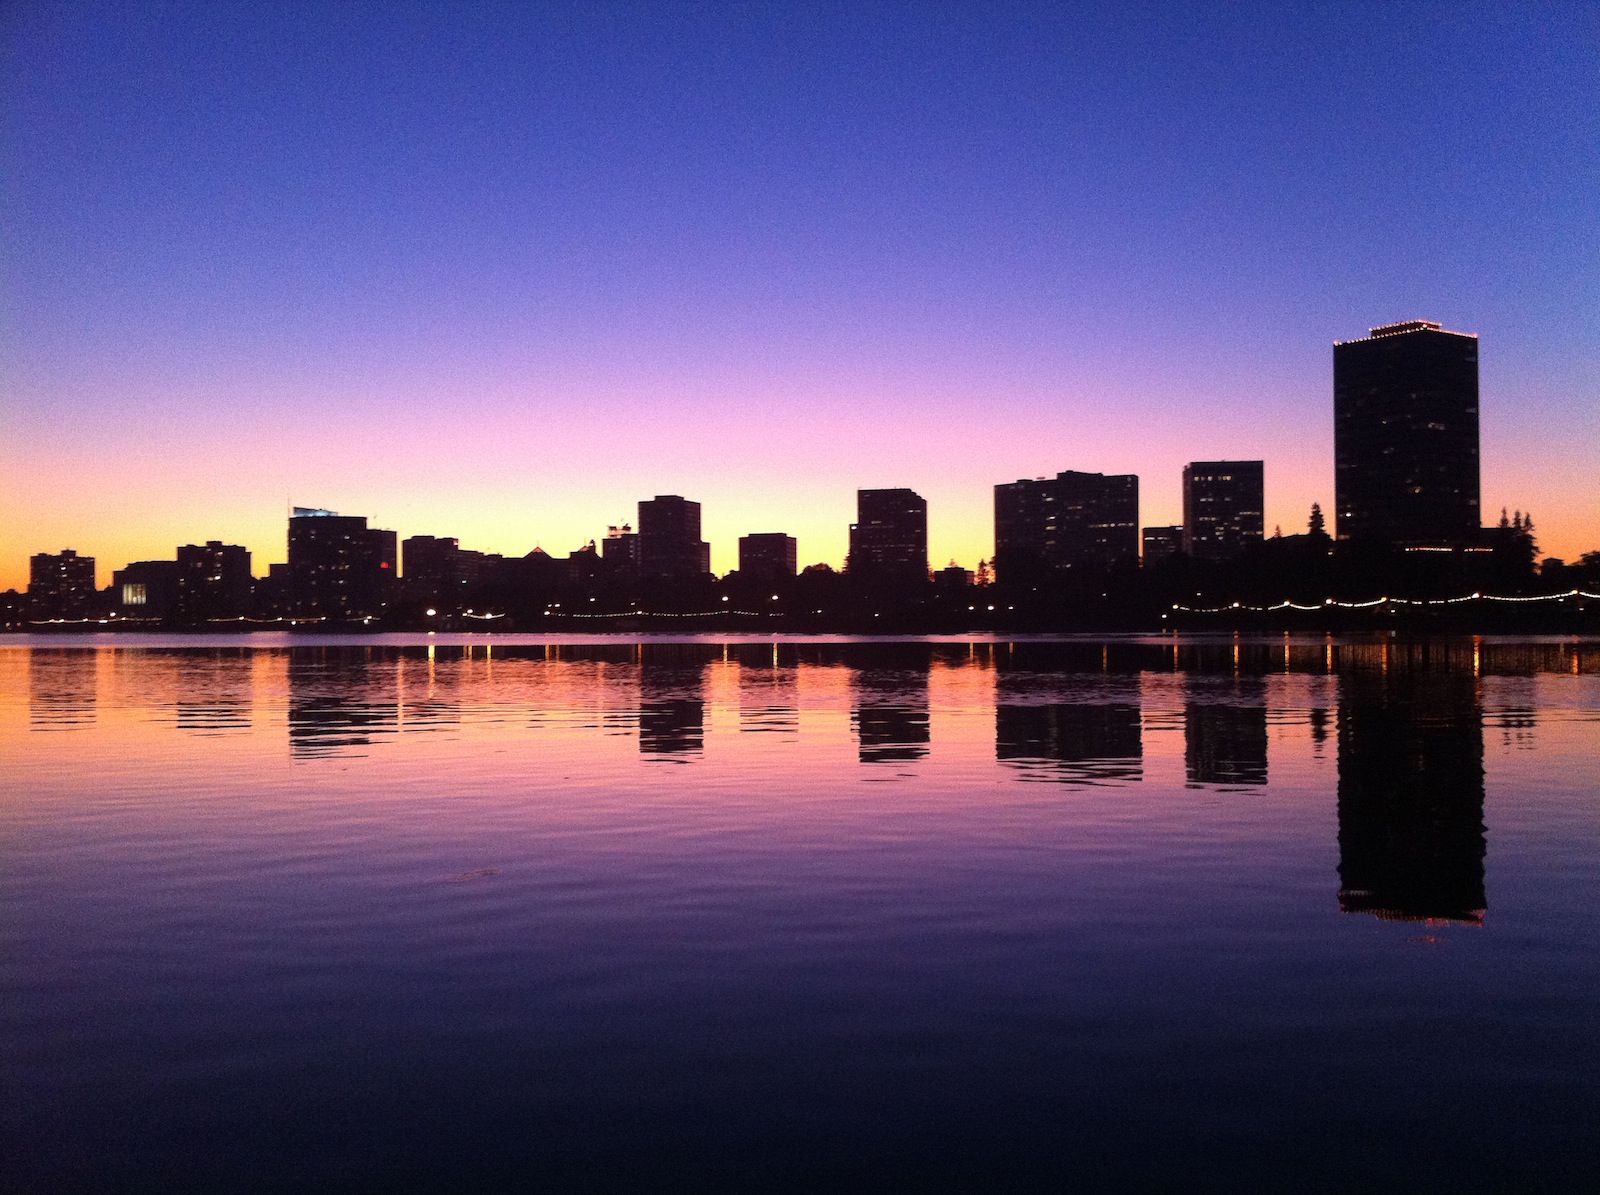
(1222, 508)
(60, 584)
(1405, 437)
(890, 535)
(145, 588)
(436, 569)
(620, 550)
(768, 556)
(1071, 519)
(338, 566)
(1161, 543)
(669, 543)
(213, 581)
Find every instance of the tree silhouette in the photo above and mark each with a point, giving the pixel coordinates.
(1316, 526)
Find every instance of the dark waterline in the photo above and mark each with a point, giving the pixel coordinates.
(422, 913)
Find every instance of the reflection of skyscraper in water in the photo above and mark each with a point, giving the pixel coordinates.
(63, 688)
(1225, 732)
(889, 706)
(1072, 742)
(672, 707)
(1517, 725)
(340, 699)
(1411, 832)
(769, 690)
(217, 691)
(429, 680)
(1319, 730)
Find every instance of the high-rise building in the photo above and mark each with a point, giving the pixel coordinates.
(669, 539)
(61, 585)
(214, 581)
(1161, 543)
(890, 535)
(1405, 436)
(1071, 519)
(768, 556)
(1222, 508)
(338, 566)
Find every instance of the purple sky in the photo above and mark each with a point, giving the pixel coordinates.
(500, 271)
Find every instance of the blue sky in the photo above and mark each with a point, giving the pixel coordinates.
(498, 271)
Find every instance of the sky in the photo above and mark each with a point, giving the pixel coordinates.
(500, 271)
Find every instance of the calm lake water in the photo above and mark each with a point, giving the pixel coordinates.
(435, 914)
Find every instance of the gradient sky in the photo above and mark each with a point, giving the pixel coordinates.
(499, 271)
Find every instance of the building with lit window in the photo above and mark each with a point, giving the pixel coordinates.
(338, 566)
(1222, 508)
(1161, 543)
(60, 584)
(1405, 436)
(434, 568)
(145, 589)
(890, 535)
(213, 581)
(1069, 520)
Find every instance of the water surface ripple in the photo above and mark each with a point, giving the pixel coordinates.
(681, 914)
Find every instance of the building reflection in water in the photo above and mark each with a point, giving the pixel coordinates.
(217, 691)
(1411, 830)
(63, 688)
(429, 683)
(1069, 713)
(889, 701)
(1225, 733)
(672, 706)
(769, 689)
(1319, 730)
(341, 699)
(1073, 743)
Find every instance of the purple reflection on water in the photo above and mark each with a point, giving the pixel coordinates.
(1187, 916)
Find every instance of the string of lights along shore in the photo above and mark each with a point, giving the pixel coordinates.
(1406, 486)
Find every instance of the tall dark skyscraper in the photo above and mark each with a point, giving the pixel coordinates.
(1405, 436)
(1222, 508)
(890, 535)
(1066, 520)
(338, 566)
(669, 539)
